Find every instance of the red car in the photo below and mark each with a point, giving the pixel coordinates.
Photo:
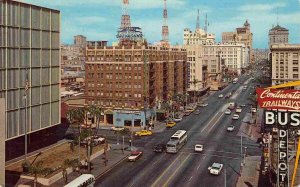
(134, 156)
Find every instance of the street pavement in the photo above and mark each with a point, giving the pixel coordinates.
(187, 168)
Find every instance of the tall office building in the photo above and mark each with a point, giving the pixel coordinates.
(285, 60)
(278, 35)
(29, 52)
(80, 41)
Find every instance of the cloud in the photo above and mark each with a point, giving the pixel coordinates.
(261, 7)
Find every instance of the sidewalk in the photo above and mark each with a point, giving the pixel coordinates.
(250, 172)
(99, 169)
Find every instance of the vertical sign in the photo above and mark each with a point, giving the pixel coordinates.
(282, 123)
(2, 141)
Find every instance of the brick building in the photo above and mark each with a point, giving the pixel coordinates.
(124, 77)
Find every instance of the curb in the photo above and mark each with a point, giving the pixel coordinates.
(106, 171)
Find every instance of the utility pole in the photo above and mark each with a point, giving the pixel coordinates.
(26, 113)
(146, 75)
(241, 150)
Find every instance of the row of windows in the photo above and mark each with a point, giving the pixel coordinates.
(117, 94)
(116, 67)
(116, 85)
(116, 103)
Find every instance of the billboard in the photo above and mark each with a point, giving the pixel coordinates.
(278, 99)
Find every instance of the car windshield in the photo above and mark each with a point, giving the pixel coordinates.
(215, 167)
(170, 145)
(198, 146)
(134, 154)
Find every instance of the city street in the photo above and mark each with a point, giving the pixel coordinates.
(187, 168)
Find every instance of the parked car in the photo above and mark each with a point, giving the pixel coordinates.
(238, 109)
(235, 116)
(243, 105)
(203, 104)
(221, 96)
(171, 124)
(227, 111)
(215, 169)
(198, 148)
(197, 112)
(117, 128)
(143, 133)
(177, 119)
(159, 148)
(135, 155)
(253, 110)
(187, 113)
(230, 128)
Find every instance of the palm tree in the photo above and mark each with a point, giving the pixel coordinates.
(37, 169)
(66, 164)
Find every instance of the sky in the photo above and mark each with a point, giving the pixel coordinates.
(100, 19)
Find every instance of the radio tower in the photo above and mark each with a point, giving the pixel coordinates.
(165, 28)
(125, 20)
(198, 21)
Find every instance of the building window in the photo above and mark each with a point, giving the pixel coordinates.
(295, 76)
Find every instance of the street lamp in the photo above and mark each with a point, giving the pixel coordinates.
(245, 155)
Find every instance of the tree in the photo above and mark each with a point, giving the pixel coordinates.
(38, 169)
(67, 164)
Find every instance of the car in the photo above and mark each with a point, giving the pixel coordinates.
(134, 156)
(117, 128)
(238, 109)
(198, 148)
(143, 133)
(190, 110)
(243, 105)
(171, 124)
(235, 116)
(221, 96)
(177, 119)
(253, 110)
(215, 169)
(230, 128)
(187, 113)
(227, 111)
(197, 112)
(159, 148)
(203, 104)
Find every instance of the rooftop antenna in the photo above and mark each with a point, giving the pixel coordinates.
(198, 21)
(165, 28)
(205, 28)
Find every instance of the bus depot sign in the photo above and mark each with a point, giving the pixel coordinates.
(283, 112)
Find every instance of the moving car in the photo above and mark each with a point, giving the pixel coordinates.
(171, 124)
(134, 156)
(159, 148)
(203, 104)
(198, 148)
(197, 112)
(177, 119)
(143, 133)
(215, 169)
(227, 111)
(253, 110)
(235, 116)
(238, 109)
(221, 96)
(230, 128)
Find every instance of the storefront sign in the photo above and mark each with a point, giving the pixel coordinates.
(278, 99)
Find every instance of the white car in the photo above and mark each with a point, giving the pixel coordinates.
(198, 148)
(215, 169)
(134, 156)
(238, 109)
(230, 128)
(177, 119)
(221, 96)
(203, 104)
(227, 111)
(253, 110)
(117, 128)
(235, 116)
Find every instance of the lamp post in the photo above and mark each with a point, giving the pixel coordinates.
(26, 115)
(245, 155)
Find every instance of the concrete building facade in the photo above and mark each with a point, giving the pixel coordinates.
(198, 37)
(285, 60)
(29, 50)
(80, 41)
(124, 77)
(278, 35)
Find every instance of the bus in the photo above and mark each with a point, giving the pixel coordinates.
(176, 141)
(84, 180)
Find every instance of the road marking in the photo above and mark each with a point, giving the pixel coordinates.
(200, 164)
(208, 124)
(158, 179)
(212, 155)
(191, 178)
(166, 183)
(210, 150)
(215, 123)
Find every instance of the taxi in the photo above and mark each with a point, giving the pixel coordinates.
(143, 133)
(171, 124)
